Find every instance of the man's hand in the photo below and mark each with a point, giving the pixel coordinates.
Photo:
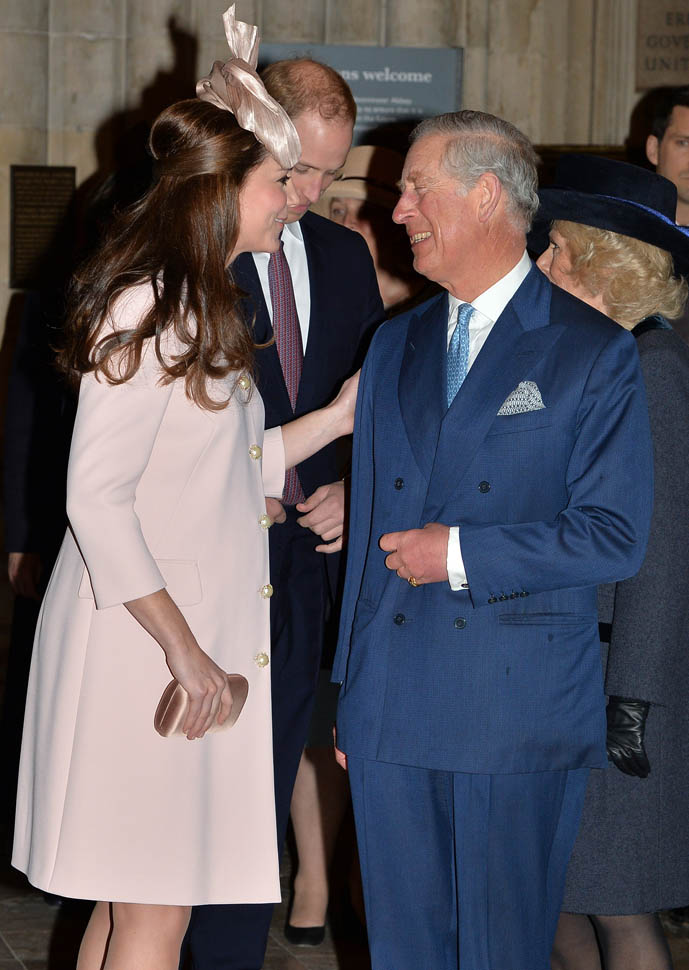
(324, 513)
(24, 571)
(340, 756)
(421, 553)
(275, 510)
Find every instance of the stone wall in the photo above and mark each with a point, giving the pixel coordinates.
(75, 73)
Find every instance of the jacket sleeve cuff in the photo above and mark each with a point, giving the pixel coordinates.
(456, 573)
(273, 465)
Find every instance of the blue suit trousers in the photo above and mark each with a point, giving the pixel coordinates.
(463, 870)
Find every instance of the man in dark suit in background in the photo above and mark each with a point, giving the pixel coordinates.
(338, 306)
(502, 469)
(667, 147)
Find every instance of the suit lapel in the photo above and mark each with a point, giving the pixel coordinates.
(421, 386)
(316, 350)
(246, 277)
(269, 369)
(518, 340)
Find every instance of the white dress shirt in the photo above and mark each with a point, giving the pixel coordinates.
(487, 308)
(295, 254)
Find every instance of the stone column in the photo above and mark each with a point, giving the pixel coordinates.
(614, 71)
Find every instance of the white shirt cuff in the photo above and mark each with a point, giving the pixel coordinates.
(456, 573)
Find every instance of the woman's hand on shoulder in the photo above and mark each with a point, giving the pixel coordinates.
(344, 405)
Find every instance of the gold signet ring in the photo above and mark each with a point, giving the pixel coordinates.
(412, 582)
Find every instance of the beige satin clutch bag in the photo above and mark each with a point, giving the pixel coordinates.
(174, 704)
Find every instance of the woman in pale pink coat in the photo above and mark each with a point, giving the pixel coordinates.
(167, 548)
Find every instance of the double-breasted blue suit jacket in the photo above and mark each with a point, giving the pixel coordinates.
(504, 676)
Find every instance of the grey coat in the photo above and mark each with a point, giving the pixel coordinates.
(632, 853)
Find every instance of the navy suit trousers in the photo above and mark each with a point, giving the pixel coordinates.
(463, 870)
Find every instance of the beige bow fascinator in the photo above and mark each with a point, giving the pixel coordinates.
(235, 86)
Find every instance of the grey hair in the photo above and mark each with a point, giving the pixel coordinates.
(478, 143)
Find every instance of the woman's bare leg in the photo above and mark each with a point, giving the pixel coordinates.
(133, 936)
(94, 943)
(319, 802)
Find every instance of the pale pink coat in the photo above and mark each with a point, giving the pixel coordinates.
(160, 493)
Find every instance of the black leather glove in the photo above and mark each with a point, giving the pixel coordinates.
(625, 740)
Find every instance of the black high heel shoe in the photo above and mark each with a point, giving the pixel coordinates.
(304, 935)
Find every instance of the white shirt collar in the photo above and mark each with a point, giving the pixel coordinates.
(493, 301)
(295, 229)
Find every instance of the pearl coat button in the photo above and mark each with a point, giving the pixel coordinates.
(266, 591)
(255, 452)
(262, 659)
(244, 382)
(265, 521)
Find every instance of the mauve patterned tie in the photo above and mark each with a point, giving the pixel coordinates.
(289, 347)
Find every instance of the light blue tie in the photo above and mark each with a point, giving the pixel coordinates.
(458, 352)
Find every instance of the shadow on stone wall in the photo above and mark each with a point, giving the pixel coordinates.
(123, 174)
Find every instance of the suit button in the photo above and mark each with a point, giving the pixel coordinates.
(502, 597)
(265, 521)
(484, 487)
(266, 591)
(261, 659)
(493, 599)
(398, 618)
(513, 595)
(399, 484)
(523, 593)
(255, 452)
(460, 623)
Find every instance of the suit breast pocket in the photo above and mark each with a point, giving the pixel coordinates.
(182, 581)
(512, 423)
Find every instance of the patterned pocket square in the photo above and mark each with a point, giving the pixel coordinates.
(525, 397)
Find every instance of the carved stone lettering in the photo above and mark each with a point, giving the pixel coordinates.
(662, 53)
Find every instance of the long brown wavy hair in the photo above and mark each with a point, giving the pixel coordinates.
(177, 239)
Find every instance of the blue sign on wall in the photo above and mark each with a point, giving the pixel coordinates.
(391, 85)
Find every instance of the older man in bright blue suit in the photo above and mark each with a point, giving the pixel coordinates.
(502, 470)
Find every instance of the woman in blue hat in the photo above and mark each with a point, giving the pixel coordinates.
(615, 245)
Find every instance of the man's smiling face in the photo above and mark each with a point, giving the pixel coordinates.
(440, 222)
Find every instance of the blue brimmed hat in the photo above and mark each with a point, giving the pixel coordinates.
(617, 196)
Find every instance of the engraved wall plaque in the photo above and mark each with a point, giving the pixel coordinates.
(40, 196)
(662, 54)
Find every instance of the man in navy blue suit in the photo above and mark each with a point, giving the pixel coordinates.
(338, 307)
(502, 469)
